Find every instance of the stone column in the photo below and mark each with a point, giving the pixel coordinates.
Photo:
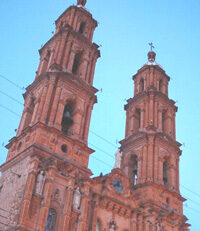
(142, 118)
(93, 215)
(156, 163)
(55, 104)
(140, 180)
(160, 120)
(151, 76)
(71, 61)
(177, 173)
(87, 121)
(28, 191)
(83, 221)
(25, 113)
(156, 114)
(48, 189)
(41, 102)
(48, 99)
(160, 175)
(134, 222)
(92, 70)
(59, 115)
(67, 54)
(140, 222)
(33, 119)
(150, 157)
(68, 205)
(61, 49)
(151, 109)
(146, 113)
(144, 164)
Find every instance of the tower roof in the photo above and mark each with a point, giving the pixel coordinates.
(81, 2)
(151, 58)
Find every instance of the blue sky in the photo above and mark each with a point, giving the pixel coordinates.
(125, 29)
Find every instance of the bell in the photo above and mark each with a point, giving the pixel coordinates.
(68, 115)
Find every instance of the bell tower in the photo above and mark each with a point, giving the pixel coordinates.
(151, 153)
(49, 156)
(60, 100)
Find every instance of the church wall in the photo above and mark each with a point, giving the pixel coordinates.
(106, 217)
(14, 181)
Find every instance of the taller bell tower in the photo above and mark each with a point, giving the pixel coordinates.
(48, 159)
(151, 153)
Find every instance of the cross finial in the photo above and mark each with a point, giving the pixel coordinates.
(151, 46)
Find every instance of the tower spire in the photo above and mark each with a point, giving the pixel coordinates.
(151, 54)
(81, 2)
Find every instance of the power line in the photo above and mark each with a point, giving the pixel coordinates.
(22, 88)
(101, 161)
(101, 150)
(195, 210)
(197, 203)
(107, 141)
(9, 110)
(13, 83)
(190, 190)
(3, 93)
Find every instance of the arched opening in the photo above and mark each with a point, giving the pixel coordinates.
(76, 63)
(141, 85)
(67, 120)
(98, 225)
(165, 173)
(138, 118)
(82, 27)
(160, 83)
(134, 170)
(51, 220)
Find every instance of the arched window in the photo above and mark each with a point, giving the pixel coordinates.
(165, 173)
(67, 120)
(141, 85)
(134, 170)
(160, 83)
(51, 220)
(76, 63)
(82, 27)
(98, 226)
(138, 117)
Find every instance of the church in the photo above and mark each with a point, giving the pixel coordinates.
(46, 184)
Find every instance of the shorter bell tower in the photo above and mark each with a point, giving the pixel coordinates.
(150, 152)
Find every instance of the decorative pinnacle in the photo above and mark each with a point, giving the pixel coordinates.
(81, 2)
(151, 55)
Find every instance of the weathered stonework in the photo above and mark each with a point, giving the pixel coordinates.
(46, 183)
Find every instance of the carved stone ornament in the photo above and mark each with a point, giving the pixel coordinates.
(39, 184)
(118, 157)
(77, 199)
(112, 226)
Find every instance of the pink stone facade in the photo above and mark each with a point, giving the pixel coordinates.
(46, 184)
